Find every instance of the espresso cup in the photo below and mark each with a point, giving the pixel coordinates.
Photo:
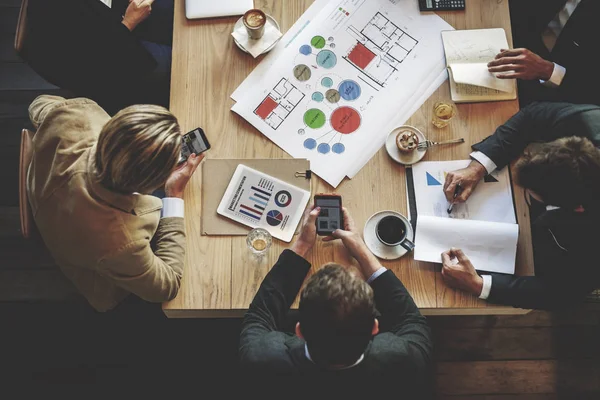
(255, 21)
(392, 231)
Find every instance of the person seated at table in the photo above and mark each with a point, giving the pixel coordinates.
(88, 186)
(338, 334)
(555, 58)
(560, 171)
(116, 56)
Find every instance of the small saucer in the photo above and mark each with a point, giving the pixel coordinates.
(270, 20)
(404, 158)
(379, 249)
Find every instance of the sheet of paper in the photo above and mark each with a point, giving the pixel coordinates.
(477, 74)
(287, 40)
(491, 201)
(491, 246)
(257, 200)
(473, 45)
(330, 96)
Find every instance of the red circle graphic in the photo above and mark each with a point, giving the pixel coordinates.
(345, 120)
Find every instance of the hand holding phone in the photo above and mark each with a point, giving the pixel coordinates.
(193, 142)
(331, 217)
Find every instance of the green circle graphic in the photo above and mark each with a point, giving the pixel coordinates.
(318, 42)
(314, 118)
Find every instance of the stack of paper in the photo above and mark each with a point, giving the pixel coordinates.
(484, 227)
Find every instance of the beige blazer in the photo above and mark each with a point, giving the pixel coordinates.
(99, 238)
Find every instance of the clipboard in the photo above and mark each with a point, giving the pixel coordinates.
(216, 174)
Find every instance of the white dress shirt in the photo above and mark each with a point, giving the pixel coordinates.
(172, 207)
(549, 37)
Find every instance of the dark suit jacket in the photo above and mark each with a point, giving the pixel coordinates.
(564, 241)
(82, 46)
(402, 350)
(575, 48)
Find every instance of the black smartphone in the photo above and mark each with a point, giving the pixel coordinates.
(193, 142)
(331, 217)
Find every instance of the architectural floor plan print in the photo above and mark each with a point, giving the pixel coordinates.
(380, 48)
(279, 103)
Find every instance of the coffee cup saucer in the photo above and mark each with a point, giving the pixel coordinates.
(400, 157)
(379, 249)
(270, 21)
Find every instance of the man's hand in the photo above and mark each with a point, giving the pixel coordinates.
(467, 178)
(521, 64)
(461, 275)
(179, 178)
(355, 245)
(136, 13)
(308, 232)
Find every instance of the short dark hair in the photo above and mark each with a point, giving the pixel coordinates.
(564, 172)
(337, 312)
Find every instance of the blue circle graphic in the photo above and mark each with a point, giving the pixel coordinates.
(349, 90)
(310, 144)
(318, 96)
(326, 59)
(323, 148)
(338, 148)
(327, 82)
(305, 49)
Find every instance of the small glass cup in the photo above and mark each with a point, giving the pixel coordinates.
(443, 112)
(259, 240)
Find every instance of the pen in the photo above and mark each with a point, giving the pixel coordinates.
(457, 191)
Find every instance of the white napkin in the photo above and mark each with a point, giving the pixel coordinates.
(256, 47)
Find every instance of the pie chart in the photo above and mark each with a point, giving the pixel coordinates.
(274, 218)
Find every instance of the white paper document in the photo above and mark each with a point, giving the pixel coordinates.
(258, 200)
(484, 227)
(491, 201)
(477, 74)
(342, 79)
(491, 246)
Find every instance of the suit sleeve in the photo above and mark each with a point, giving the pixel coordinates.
(268, 310)
(401, 317)
(153, 276)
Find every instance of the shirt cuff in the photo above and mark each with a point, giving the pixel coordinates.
(556, 78)
(376, 274)
(484, 160)
(487, 287)
(172, 207)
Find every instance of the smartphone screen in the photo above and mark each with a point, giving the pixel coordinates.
(193, 142)
(330, 218)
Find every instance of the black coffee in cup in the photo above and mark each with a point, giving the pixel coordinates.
(391, 230)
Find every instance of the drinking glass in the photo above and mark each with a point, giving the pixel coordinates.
(443, 112)
(259, 240)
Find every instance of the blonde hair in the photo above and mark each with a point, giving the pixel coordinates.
(138, 149)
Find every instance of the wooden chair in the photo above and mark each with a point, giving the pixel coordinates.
(21, 34)
(28, 228)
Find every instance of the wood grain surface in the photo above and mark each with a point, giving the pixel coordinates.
(220, 273)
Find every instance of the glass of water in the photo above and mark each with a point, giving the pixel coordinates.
(259, 240)
(443, 112)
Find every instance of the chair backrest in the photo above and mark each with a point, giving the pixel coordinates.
(27, 225)
(21, 28)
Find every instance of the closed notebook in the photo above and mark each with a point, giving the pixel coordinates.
(467, 54)
(216, 175)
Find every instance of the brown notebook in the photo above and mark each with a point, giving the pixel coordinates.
(219, 172)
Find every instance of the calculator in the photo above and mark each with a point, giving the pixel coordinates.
(441, 5)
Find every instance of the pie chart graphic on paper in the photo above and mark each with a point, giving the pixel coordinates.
(274, 218)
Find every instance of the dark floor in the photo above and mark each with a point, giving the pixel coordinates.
(61, 341)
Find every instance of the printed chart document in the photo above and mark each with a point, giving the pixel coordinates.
(350, 70)
(467, 55)
(484, 227)
(258, 200)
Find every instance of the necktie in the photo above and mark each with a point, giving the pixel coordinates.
(557, 24)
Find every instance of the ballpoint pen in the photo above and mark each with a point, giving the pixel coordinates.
(457, 191)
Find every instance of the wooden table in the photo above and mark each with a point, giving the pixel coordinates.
(220, 277)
